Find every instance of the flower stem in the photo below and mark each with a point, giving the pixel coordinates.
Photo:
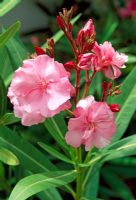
(88, 82)
(79, 175)
(77, 85)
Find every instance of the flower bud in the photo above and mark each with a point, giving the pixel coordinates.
(114, 107)
(39, 51)
(86, 37)
(84, 61)
(60, 22)
(69, 65)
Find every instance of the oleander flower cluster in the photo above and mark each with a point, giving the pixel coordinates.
(41, 87)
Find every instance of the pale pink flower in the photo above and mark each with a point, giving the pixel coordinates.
(93, 125)
(107, 60)
(40, 89)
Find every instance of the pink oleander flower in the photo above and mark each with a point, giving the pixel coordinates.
(40, 89)
(84, 61)
(129, 10)
(107, 60)
(86, 37)
(93, 125)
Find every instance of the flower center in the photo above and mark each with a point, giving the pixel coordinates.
(90, 125)
(89, 130)
(42, 84)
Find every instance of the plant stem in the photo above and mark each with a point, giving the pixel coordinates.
(72, 42)
(79, 175)
(88, 82)
(77, 85)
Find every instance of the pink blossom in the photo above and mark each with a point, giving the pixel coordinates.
(40, 89)
(84, 61)
(108, 60)
(93, 125)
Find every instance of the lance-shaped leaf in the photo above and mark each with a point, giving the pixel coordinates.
(39, 182)
(122, 148)
(54, 126)
(7, 5)
(9, 118)
(54, 152)
(8, 157)
(3, 98)
(10, 32)
(116, 183)
(30, 158)
(127, 101)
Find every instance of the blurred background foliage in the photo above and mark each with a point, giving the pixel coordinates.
(117, 177)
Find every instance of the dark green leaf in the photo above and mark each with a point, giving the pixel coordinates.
(118, 185)
(54, 127)
(127, 101)
(10, 32)
(54, 153)
(3, 97)
(9, 118)
(30, 158)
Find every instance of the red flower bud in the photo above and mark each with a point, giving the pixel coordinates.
(69, 65)
(114, 107)
(60, 22)
(39, 51)
(86, 37)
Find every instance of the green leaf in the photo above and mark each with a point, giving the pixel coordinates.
(16, 51)
(106, 193)
(8, 157)
(110, 27)
(55, 153)
(127, 101)
(91, 189)
(10, 32)
(60, 33)
(3, 97)
(30, 158)
(118, 185)
(126, 161)
(123, 171)
(7, 5)
(131, 59)
(36, 183)
(9, 118)
(50, 194)
(12, 56)
(55, 129)
(6, 68)
(122, 148)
